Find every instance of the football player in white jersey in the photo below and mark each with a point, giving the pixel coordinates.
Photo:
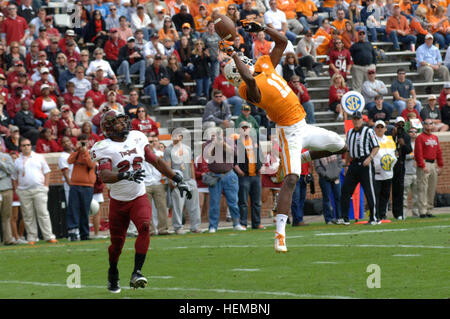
(120, 157)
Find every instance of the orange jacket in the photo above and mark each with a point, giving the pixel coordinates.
(397, 24)
(83, 173)
(417, 27)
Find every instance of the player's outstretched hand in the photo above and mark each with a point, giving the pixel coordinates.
(225, 47)
(251, 26)
(183, 187)
(134, 176)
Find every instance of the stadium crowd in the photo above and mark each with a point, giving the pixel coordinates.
(56, 82)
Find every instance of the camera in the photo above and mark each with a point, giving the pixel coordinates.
(83, 144)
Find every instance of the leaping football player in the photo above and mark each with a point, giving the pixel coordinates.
(261, 85)
(120, 157)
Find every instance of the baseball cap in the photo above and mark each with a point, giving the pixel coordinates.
(361, 31)
(431, 97)
(130, 39)
(14, 129)
(65, 107)
(18, 63)
(244, 124)
(2, 76)
(111, 92)
(357, 115)
(140, 6)
(399, 119)
(158, 57)
(55, 40)
(113, 30)
(159, 9)
(186, 25)
(70, 33)
(154, 36)
(44, 70)
(72, 60)
(43, 28)
(429, 36)
(447, 85)
(380, 122)
(371, 71)
(45, 86)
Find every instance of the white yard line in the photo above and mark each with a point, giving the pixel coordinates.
(217, 290)
(246, 269)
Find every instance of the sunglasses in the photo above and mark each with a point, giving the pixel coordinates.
(141, 111)
(23, 145)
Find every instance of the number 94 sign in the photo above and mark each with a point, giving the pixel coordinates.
(352, 101)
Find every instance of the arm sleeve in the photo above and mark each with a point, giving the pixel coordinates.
(418, 147)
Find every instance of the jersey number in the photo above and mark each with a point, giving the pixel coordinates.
(341, 64)
(279, 84)
(124, 166)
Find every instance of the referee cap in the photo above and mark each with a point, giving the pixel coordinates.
(357, 115)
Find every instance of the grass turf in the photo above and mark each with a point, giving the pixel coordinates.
(322, 262)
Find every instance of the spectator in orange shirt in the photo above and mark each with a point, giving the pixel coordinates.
(397, 29)
(168, 30)
(327, 5)
(261, 46)
(420, 25)
(289, 7)
(220, 5)
(349, 36)
(440, 27)
(307, 14)
(322, 37)
(201, 20)
(339, 23)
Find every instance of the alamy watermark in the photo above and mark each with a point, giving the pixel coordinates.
(74, 279)
(374, 279)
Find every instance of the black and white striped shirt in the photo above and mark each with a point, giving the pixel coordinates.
(360, 143)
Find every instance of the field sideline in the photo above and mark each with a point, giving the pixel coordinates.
(412, 258)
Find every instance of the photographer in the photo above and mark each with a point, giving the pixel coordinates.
(81, 190)
(329, 169)
(403, 147)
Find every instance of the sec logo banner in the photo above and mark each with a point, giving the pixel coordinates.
(352, 101)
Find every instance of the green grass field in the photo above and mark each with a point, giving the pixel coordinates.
(322, 262)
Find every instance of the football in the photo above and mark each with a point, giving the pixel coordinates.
(224, 26)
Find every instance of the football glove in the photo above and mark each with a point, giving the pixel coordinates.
(251, 26)
(226, 47)
(182, 186)
(134, 176)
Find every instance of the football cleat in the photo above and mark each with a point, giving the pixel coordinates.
(113, 282)
(280, 243)
(138, 280)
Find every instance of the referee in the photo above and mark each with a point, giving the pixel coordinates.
(362, 147)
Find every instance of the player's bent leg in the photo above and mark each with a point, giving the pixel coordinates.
(322, 143)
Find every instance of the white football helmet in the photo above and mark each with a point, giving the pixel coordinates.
(232, 73)
(95, 207)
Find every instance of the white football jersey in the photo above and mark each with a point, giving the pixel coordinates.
(124, 156)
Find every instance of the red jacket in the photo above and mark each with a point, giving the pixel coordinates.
(146, 126)
(73, 101)
(200, 167)
(333, 94)
(442, 99)
(13, 105)
(303, 97)
(38, 107)
(226, 87)
(97, 96)
(427, 147)
(112, 49)
(405, 112)
(45, 146)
